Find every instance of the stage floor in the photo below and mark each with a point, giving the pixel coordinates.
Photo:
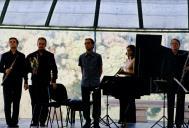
(24, 123)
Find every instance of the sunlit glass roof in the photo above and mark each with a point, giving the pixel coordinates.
(137, 14)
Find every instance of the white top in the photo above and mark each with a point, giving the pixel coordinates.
(128, 65)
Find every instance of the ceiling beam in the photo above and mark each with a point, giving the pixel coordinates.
(4, 11)
(99, 29)
(188, 12)
(97, 10)
(140, 14)
(50, 13)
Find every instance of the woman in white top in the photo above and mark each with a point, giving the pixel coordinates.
(128, 67)
(127, 105)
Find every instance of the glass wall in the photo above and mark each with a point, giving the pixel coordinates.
(67, 46)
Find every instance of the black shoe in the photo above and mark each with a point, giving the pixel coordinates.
(96, 126)
(170, 126)
(13, 126)
(87, 125)
(124, 125)
(120, 122)
(34, 124)
(178, 126)
(43, 125)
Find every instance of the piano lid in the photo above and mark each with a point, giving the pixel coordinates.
(148, 55)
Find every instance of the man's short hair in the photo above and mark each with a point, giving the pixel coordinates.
(14, 38)
(42, 38)
(177, 40)
(92, 41)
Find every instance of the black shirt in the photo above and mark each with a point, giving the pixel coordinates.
(18, 68)
(46, 69)
(91, 64)
(172, 65)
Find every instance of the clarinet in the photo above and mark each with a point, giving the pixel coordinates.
(11, 67)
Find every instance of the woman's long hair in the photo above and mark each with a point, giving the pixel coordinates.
(133, 49)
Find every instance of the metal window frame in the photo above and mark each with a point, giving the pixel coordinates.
(6, 4)
(95, 26)
(140, 14)
(50, 12)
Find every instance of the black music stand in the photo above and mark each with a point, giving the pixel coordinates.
(107, 120)
(161, 86)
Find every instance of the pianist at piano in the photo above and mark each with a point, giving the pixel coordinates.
(127, 104)
(152, 61)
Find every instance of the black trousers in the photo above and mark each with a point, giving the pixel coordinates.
(96, 101)
(39, 101)
(12, 95)
(127, 111)
(180, 104)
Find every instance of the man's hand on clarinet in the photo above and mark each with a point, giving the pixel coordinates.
(8, 71)
(186, 68)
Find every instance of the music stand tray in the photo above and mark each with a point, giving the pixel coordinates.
(107, 120)
(162, 88)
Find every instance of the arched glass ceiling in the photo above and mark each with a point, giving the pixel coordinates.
(165, 13)
(27, 12)
(155, 14)
(1, 5)
(74, 13)
(119, 14)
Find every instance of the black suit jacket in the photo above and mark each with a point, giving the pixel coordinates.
(18, 69)
(172, 65)
(47, 69)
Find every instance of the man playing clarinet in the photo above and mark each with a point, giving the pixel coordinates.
(12, 64)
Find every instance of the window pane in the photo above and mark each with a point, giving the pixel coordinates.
(1, 5)
(165, 13)
(118, 13)
(32, 12)
(66, 46)
(74, 13)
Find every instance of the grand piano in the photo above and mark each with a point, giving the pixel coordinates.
(125, 86)
(148, 71)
